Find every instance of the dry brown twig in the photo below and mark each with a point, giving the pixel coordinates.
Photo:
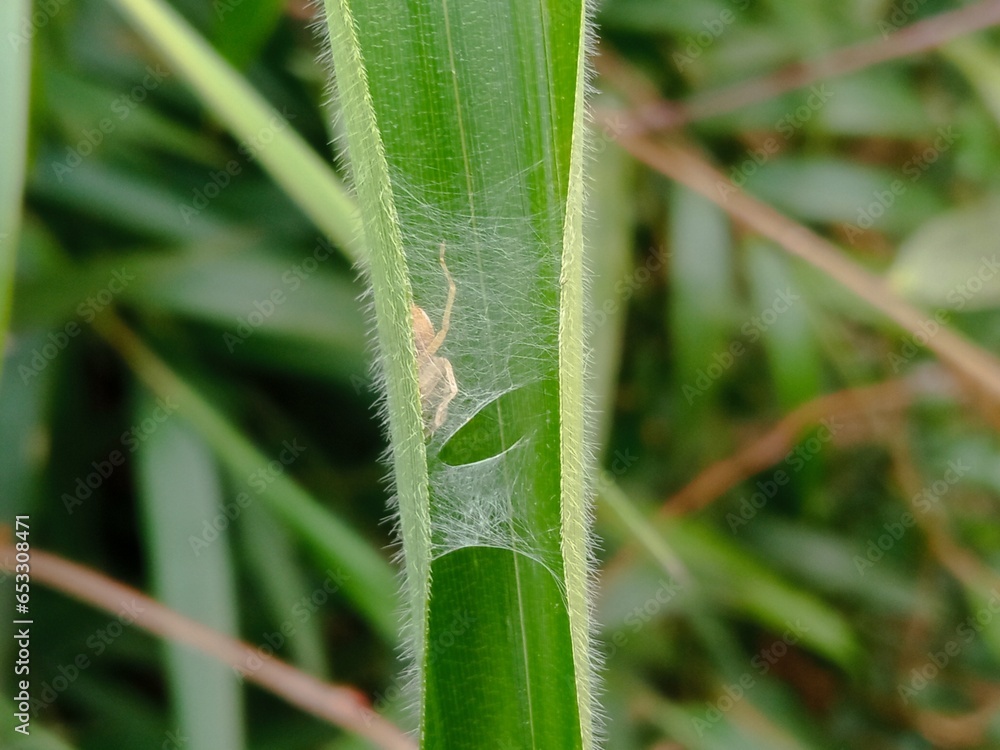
(682, 163)
(955, 558)
(870, 402)
(968, 730)
(768, 449)
(947, 730)
(341, 705)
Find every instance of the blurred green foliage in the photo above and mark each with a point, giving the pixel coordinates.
(824, 602)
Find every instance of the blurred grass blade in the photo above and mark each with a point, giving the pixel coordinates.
(318, 328)
(738, 580)
(781, 320)
(640, 529)
(125, 199)
(749, 725)
(610, 222)
(244, 27)
(980, 64)
(679, 162)
(702, 290)
(180, 487)
(951, 260)
(40, 738)
(689, 549)
(289, 159)
(15, 62)
(369, 581)
(272, 560)
(466, 148)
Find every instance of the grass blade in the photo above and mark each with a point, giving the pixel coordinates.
(368, 580)
(466, 147)
(272, 560)
(15, 63)
(180, 486)
(292, 163)
(610, 222)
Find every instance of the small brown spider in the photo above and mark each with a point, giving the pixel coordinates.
(437, 379)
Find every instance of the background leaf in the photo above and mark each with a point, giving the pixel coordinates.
(180, 486)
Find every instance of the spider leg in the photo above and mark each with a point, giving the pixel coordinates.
(449, 390)
(436, 342)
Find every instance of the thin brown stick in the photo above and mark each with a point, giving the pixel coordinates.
(944, 730)
(768, 449)
(917, 37)
(683, 164)
(761, 453)
(343, 706)
(955, 558)
(969, 729)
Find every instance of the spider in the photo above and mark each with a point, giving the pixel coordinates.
(436, 377)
